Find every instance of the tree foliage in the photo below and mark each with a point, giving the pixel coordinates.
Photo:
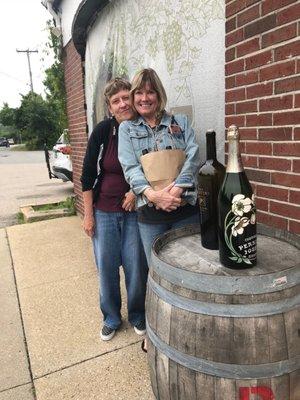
(41, 120)
(36, 119)
(54, 81)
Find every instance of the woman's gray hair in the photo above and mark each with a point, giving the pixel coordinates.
(148, 75)
(114, 86)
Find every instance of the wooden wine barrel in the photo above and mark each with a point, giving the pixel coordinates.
(221, 334)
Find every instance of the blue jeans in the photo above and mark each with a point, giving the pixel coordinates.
(117, 242)
(150, 231)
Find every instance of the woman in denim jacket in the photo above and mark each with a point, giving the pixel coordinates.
(155, 129)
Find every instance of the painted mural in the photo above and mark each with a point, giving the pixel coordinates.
(182, 40)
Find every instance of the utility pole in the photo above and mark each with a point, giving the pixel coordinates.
(29, 66)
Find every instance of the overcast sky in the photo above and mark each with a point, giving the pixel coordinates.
(22, 26)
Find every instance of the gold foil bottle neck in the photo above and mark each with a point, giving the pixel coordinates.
(234, 164)
(233, 133)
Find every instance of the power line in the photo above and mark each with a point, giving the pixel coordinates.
(28, 52)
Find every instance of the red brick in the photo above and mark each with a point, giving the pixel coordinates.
(262, 204)
(287, 210)
(277, 70)
(291, 13)
(249, 161)
(246, 107)
(234, 67)
(259, 120)
(250, 46)
(271, 192)
(258, 60)
(272, 5)
(250, 2)
(287, 51)
(230, 54)
(76, 115)
(238, 120)
(272, 220)
(260, 90)
(248, 15)
(273, 163)
(235, 95)
(258, 176)
(286, 149)
(297, 101)
(248, 133)
(230, 24)
(234, 37)
(296, 133)
(296, 165)
(294, 227)
(276, 103)
(230, 109)
(235, 7)
(294, 196)
(298, 65)
(287, 85)
(279, 35)
(284, 179)
(229, 82)
(258, 148)
(247, 78)
(260, 26)
(286, 118)
(274, 134)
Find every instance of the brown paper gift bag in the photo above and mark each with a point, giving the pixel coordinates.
(162, 167)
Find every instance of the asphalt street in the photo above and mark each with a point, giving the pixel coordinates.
(24, 180)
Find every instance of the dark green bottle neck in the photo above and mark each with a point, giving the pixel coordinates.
(211, 153)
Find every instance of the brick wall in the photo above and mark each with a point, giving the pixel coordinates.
(263, 99)
(76, 115)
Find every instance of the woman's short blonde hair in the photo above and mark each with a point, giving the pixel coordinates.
(148, 75)
(114, 86)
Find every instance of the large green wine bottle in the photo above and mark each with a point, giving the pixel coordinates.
(210, 178)
(237, 212)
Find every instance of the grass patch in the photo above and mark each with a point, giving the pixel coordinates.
(68, 204)
(20, 218)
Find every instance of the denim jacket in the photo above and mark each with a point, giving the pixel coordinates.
(136, 136)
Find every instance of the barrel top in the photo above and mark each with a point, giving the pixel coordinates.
(182, 248)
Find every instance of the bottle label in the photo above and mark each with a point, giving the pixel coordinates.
(204, 203)
(239, 227)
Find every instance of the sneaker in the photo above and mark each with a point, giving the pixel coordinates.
(140, 328)
(107, 333)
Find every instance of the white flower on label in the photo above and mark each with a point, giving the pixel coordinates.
(241, 204)
(239, 225)
(253, 219)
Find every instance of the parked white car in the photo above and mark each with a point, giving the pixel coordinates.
(59, 162)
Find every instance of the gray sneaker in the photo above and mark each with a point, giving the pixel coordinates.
(140, 328)
(107, 333)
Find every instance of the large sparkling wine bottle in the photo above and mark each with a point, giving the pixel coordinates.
(210, 178)
(237, 212)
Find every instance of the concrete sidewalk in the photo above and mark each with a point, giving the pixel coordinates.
(50, 321)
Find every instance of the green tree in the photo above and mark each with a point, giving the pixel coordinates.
(54, 81)
(7, 115)
(36, 119)
(41, 120)
(8, 122)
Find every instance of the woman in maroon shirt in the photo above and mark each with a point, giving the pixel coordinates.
(110, 217)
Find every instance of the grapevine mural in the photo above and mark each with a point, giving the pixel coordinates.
(168, 36)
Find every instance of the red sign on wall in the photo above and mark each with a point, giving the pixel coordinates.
(264, 393)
